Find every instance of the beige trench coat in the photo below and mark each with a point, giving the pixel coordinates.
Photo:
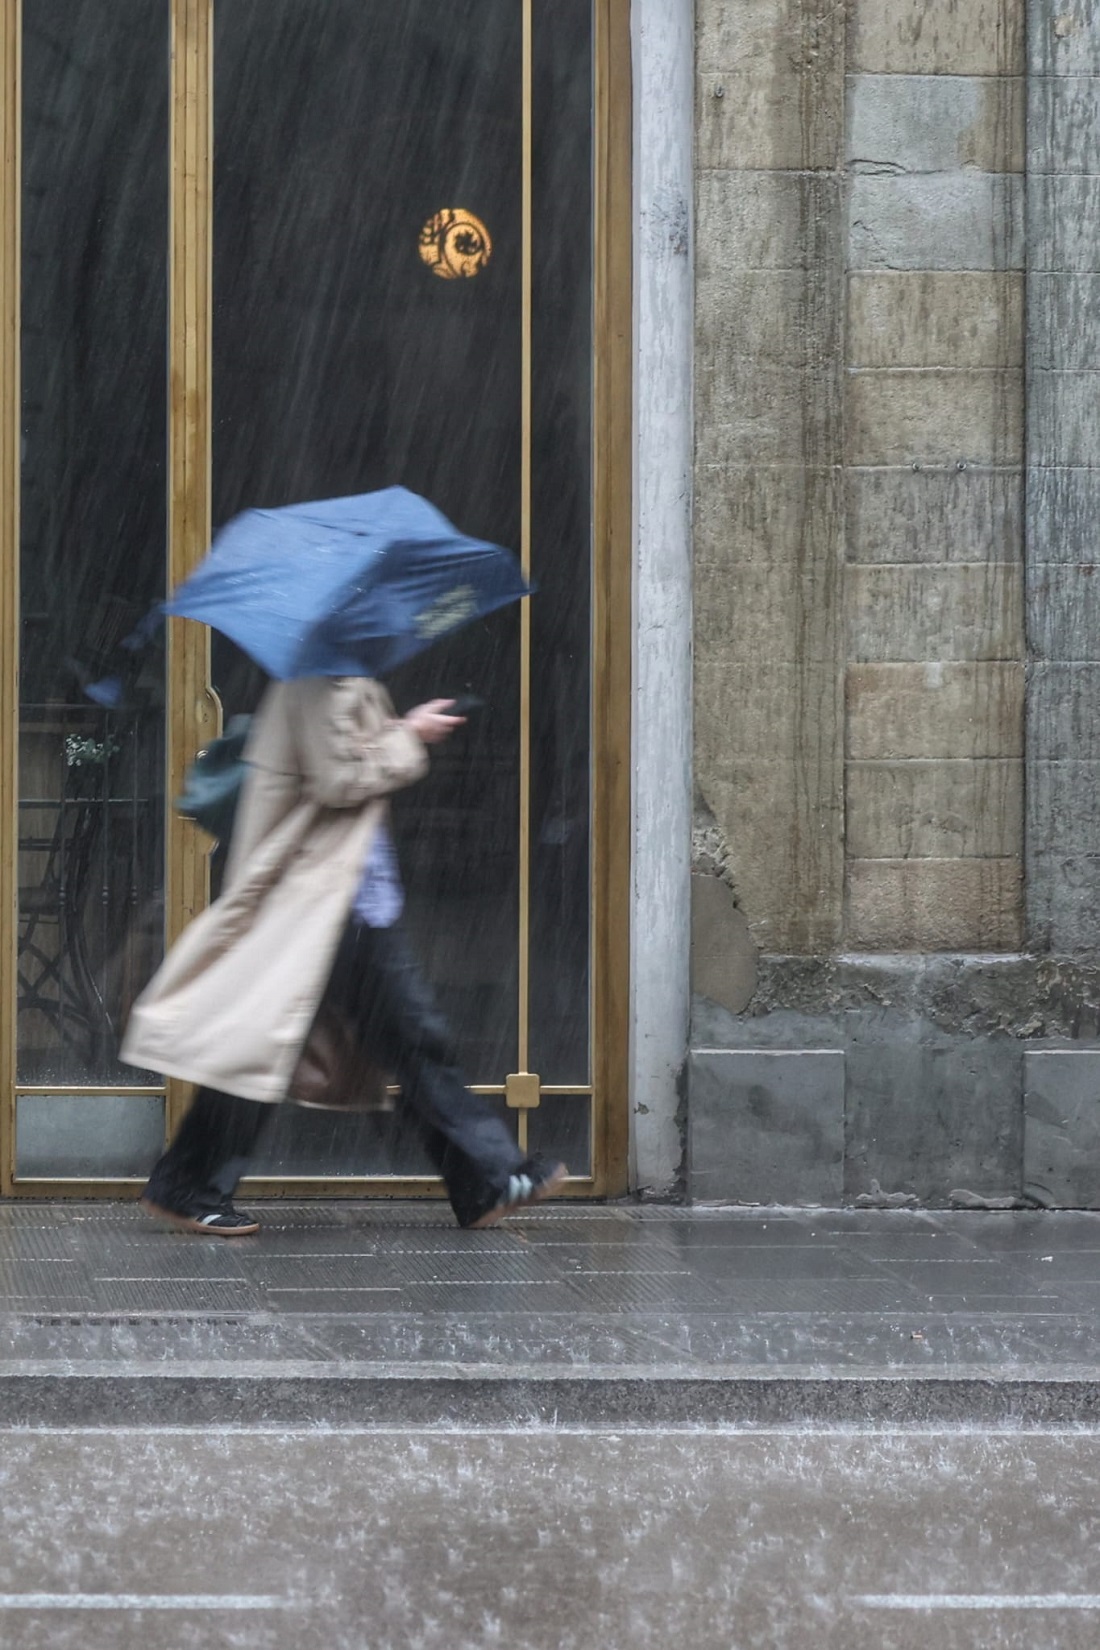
(232, 1004)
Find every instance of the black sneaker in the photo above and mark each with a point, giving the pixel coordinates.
(534, 1183)
(223, 1222)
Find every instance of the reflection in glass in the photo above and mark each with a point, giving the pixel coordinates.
(92, 549)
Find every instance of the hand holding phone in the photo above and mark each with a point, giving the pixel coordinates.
(464, 704)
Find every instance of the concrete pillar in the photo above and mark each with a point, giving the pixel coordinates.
(660, 947)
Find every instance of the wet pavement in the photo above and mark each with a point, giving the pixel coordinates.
(542, 1539)
(594, 1426)
(619, 1314)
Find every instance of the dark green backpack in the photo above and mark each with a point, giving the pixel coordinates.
(212, 784)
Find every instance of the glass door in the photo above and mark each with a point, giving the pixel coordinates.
(284, 249)
(89, 752)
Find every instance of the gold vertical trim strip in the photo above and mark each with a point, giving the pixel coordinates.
(192, 708)
(11, 72)
(527, 265)
(612, 455)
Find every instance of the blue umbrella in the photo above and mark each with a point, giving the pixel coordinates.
(347, 587)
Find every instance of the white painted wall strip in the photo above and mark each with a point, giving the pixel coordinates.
(144, 1601)
(978, 1601)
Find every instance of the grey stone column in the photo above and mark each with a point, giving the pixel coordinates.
(1063, 475)
(663, 46)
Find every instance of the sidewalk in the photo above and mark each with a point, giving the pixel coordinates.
(619, 1315)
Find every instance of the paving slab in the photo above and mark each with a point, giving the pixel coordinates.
(619, 1314)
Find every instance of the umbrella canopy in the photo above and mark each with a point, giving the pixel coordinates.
(346, 587)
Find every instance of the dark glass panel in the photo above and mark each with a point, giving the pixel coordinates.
(301, 1141)
(342, 363)
(561, 614)
(92, 552)
(560, 1128)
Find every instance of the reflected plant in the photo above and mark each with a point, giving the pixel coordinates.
(87, 753)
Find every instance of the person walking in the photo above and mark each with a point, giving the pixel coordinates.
(311, 914)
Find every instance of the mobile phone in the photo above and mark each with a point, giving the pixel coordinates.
(464, 704)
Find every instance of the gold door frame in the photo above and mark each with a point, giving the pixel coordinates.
(11, 53)
(193, 713)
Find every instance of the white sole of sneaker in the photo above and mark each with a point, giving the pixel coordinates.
(553, 1183)
(186, 1223)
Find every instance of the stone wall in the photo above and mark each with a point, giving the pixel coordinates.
(876, 981)
(769, 395)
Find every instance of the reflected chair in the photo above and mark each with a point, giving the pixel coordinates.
(54, 976)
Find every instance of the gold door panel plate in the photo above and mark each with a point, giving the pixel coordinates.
(522, 1090)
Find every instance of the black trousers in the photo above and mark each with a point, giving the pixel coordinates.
(377, 982)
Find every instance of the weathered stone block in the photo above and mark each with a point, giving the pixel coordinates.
(785, 850)
(767, 220)
(723, 955)
(934, 905)
(767, 1126)
(768, 514)
(1063, 712)
(799, 31)
(935, 123)
(934, 515)
(819, 1002)
(1062, 214)
(1063, 36)
(771, 116)
(946, 220)
(1063, 914)
(934, 416)
(1064, 419)
(780, 611)
(757, 710)
(1063, 509)
(1062, 1127)
(783, 821)
(935, 710)
(935, 810)
(929, 1114)
(768, 415)
(1063, 124)
(936, 37)
(1064, 322)
(1064, 609)
(1063, 809)
(940, 613)
(971, 318)
(746, 319)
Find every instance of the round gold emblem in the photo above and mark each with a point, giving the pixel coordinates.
(455, 245)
